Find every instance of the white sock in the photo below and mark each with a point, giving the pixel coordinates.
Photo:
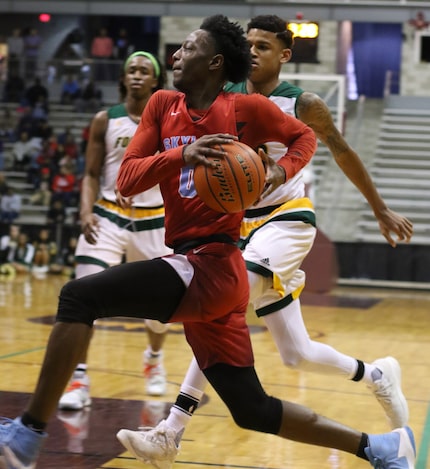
(179, 416)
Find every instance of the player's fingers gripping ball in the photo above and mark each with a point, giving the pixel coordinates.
(235, 183)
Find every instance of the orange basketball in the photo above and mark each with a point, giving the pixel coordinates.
(235, 183)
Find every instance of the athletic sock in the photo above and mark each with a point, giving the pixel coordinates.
(367, 373)
(36, 425)
(80, 371)
(364, 443)
(181, 412)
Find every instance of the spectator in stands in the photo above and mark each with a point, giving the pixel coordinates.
(45, 252)
(70, 91)
(63, 136)
(82, 149)
(1, 151)
(90, 99)
(40, 110)
(68, 163)
(20, 256)
(7, 122)
(10, 206)
(123, 48)
(24, 150)
(26, 123)
(56, 214)
(14, 88)
(42, 195)
(84, 138)
(68, 259)
(9, 241)
(44, 161)
(7, 135)
(71, 148)
(43, 129)
(32, 43)
(102, 51)
(37, 93)
(53, 143)
(64, 187)
(15, 49)
(4, 186)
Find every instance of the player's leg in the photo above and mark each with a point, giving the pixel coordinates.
(279, 306)
(144, 243)
(253, 409)
(130, 289)
(91, 259)
(161, 444)
(77, 393)
(152, 357)
(191, 391)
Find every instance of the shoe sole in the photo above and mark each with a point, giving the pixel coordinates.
(70, 407)
(391, 366)
(153, 393)
(407, 446)
(122, 436)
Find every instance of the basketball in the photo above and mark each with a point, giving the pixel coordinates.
(237, 181)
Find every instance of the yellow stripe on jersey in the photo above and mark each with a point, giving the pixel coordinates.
(302, 207)
(132, 212)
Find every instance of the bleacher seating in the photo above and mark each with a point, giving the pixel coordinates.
(32, 214)
(61, 117)
(401, 167)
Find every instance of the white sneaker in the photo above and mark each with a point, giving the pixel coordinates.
(156, 446)
(155, 375)
(388, 392)
(77, 394)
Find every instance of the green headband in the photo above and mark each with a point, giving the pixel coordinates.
(148, 56)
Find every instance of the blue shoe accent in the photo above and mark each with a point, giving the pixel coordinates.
(19, 445)
(394, 450)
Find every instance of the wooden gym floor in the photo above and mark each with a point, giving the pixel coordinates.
(365, 323)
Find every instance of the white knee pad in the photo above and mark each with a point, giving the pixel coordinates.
(156, 326)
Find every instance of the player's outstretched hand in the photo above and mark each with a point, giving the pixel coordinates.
(392, 222)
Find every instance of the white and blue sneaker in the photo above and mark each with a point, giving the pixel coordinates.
(19, 446)
(394, 450)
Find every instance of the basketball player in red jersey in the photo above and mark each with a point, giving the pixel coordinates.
(277, 233)
(204, 283)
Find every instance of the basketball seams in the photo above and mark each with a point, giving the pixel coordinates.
(233, 185)
(233, 174)
(260, 181)
(252, 160)
(211, 191)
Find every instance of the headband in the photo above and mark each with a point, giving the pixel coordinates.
(149, 56)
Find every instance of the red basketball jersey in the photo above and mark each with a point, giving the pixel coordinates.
(167, 125)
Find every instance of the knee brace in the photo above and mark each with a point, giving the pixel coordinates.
(241, 391)
(74, 305)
